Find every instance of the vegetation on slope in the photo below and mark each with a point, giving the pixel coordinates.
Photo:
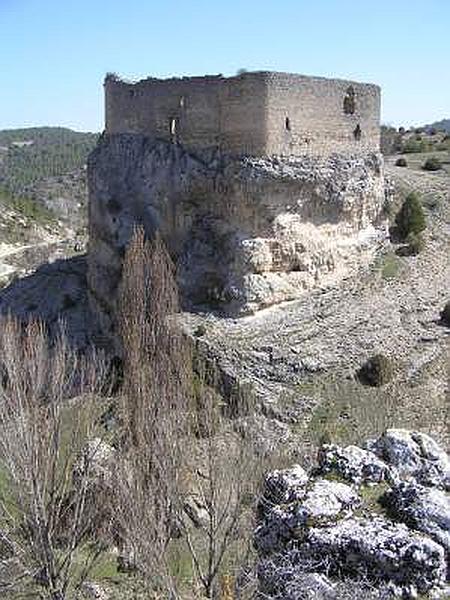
(30, 155)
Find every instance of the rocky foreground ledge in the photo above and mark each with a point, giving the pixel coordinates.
(379, 514)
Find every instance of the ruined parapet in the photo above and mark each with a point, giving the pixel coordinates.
(255, 113)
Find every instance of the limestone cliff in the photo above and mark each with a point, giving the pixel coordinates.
(244, 233)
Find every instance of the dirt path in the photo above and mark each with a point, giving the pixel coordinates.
(8, 251)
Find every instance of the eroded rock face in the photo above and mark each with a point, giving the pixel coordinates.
(245, 233)
(371, 522)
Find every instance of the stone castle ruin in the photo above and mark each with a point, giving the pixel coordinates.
(263, 185)
(255, 114)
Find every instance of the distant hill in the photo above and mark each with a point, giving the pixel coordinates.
(442, 125)
(42, 174)
(28, 156)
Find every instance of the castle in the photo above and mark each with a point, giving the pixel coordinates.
(263, 185)
(254, 113)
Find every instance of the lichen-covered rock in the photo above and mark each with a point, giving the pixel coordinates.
(392, 538)
(353, 464)
(422, 508)
(414, 454)
(246, 233)
(281, 579)
(286, 485)
(288, 520)
(382, 549)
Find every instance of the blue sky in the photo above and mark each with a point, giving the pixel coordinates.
(54, 53)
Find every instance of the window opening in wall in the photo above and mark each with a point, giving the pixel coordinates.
(173, 127)
(357, 133)
(349, 101)
(287, 124)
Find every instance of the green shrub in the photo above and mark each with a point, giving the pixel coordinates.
(416, 243)
(445, 314)
(410, 218)
(401, 162)
(432, 164)
(412, 146)
(376, 371)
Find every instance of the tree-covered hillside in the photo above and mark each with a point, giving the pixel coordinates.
(33, 154)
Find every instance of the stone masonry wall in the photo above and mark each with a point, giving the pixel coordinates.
(258, 114)
(313, 115)
(197, 112)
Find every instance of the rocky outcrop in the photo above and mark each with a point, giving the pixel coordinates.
(415, 455)
(371, 522)
(245, 233)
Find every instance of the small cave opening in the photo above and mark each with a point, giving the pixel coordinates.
(349, 101)
(357, 133)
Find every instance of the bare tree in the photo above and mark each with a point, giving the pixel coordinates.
(154, 410)
(224, 485)
(44, 519)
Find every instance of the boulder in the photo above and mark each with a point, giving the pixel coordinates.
(422, 508)
(286, 521)
(281, 579)
(381, 550)
(196, 511)
(286, 485)
(414, 455)
(353, 464)
(96, 463)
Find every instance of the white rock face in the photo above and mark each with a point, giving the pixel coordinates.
(328, 499)
(245, 233)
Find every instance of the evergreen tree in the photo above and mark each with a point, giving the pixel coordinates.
(410, 218)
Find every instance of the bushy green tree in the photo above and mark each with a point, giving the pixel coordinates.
(411, 217)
